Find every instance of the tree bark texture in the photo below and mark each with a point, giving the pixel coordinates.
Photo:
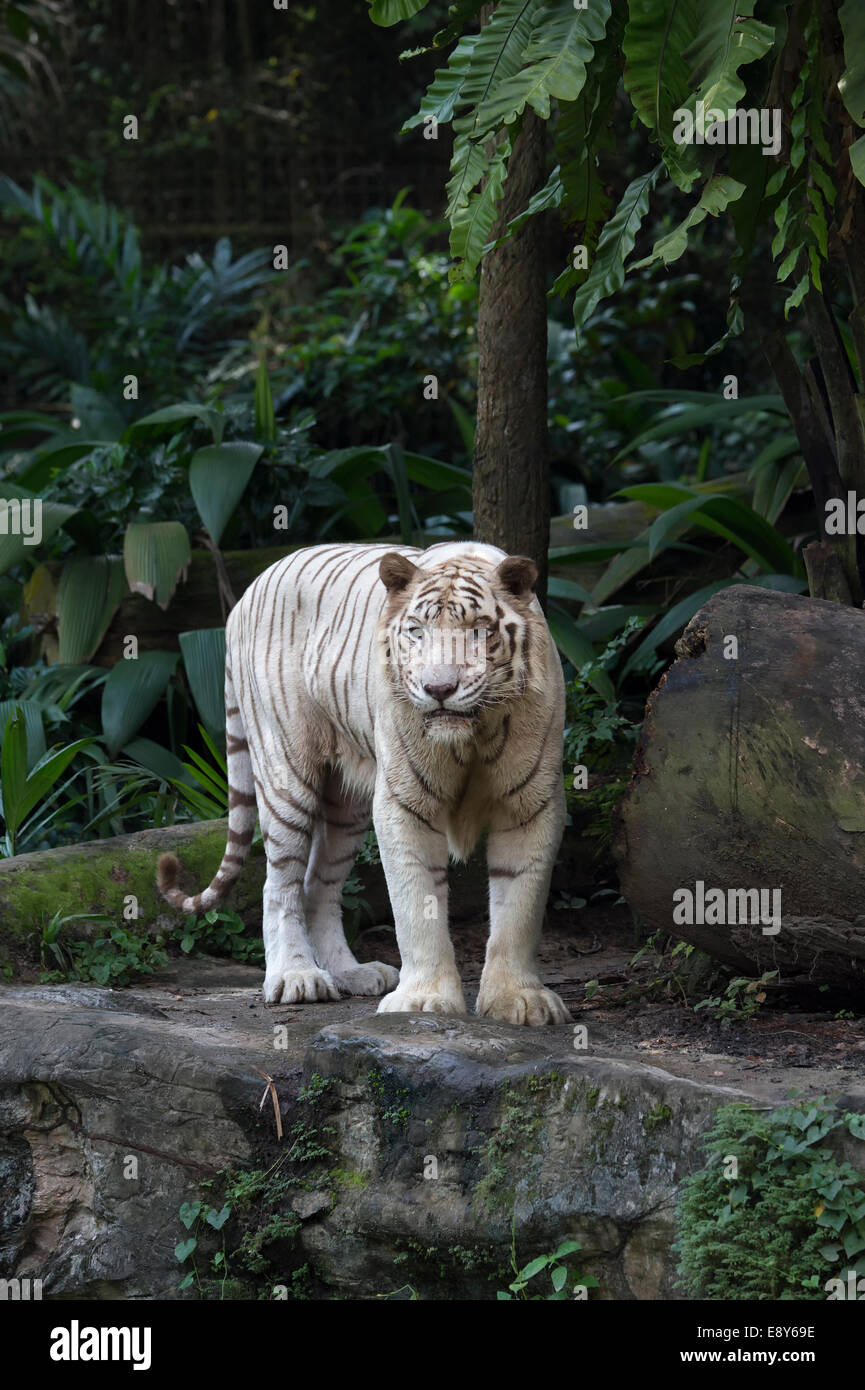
(511, 463)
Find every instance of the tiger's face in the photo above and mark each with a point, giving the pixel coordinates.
(458, 638)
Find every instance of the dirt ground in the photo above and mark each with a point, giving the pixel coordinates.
(637, 1017)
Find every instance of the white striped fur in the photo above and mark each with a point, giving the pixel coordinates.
(335, 712)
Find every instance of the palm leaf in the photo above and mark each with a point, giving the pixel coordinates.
(88, 596)
(131, 693)
(46, 518)
(204, 659)
(218, 476)
(156, 558)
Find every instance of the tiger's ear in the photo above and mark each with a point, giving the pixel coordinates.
(518, 575)
(396, 572)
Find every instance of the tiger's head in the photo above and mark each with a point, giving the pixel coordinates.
(460, 638)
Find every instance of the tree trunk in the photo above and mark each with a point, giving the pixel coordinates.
(823, 396)
(749, 775)
(511, 463)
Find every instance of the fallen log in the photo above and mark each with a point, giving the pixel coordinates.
(743, 827)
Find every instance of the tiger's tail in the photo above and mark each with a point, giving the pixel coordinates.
(241, 821)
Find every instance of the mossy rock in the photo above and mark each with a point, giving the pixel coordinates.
(103, 876)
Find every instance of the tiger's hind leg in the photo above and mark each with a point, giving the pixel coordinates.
(338, 835)
(292, 972)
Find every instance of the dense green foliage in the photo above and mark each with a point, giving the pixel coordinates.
(791, 1216)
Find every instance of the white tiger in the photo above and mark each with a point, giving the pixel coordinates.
(341, 698)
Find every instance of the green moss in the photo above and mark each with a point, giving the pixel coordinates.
(442, 1262)
(97, 879)
(348, 1177)
(659, 1116)
(506, 1156)
(99, 882)
(389, 1100)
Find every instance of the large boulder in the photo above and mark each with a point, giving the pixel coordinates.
(410, 1145)
(750, 776)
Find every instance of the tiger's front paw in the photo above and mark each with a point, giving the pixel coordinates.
(298, 986)
(373, 978)
(522, 1004)
(437, 997)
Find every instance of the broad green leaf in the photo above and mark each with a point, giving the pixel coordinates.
(716, 196)
(725, 516)
(31, 711)
(553, 63)
(698, 417)
(600, 626)
(472, 222)
(851, 84)
(550, 196)
(444, 93)
(26, 522)
(469, 163)
(98, 414)
(673, 621)
(578, 649)
(160, 761)
(495, 57)
(616, 243)
(131, 693)
(13, 772)
(857, 158)
(156, 558)
(204, 660)
(388, 12)
(218, 476)
(88, 596)
(729, 38)
(178, 414)
(567, 1247)
(432, 473)
(657, 76)
(568, 589)
(265, 419)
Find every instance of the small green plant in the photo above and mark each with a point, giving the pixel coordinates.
(208, 799)
(774, 1214)
(23, 787)
(741, 999)
(597, 726)
(666, 978)
(218, 933)
(116, 959)
(251, 1211)
(566, 902)
(355, 908)
(565, 1284)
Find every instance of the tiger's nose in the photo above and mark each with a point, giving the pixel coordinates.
(440, 681)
